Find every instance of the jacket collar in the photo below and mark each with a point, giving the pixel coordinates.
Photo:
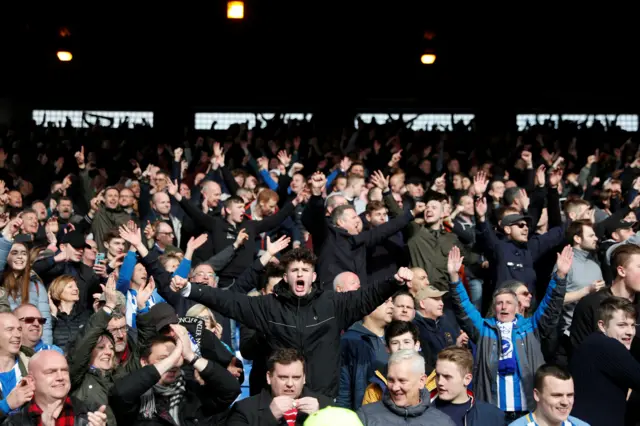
(412, 411)
(283, 291)
(434, 396)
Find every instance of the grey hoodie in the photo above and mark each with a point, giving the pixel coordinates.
(386, 413)
(585, 269)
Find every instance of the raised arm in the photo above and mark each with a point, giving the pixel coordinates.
(80, 357)
(251, 311)
(201, 219)
(547, 315)
(250, 278)
(352, 306)
(467, 314)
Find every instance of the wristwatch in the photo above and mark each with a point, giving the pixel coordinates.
(194, 360)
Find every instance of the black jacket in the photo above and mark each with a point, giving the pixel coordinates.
(603, 371)
(224, 234)
(24, 418)
(255, 411)
(316, 222)
(202, 404)
(436, 335)
(344, 252)
(311, 324)
(585, 320)
(86, 279)
(66, 326)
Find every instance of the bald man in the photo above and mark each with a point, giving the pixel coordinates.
(49, 384)
(420, 281)
(212, 192)
(346, 281)
(208, 200)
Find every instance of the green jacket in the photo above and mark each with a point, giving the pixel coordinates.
(429, 249)
(89, 384)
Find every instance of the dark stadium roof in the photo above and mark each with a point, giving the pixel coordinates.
(321, 51)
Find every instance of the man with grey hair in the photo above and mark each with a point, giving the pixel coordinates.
(406, 401)
(346, 281)
(334, 200)
(507, 380)
(346, 244)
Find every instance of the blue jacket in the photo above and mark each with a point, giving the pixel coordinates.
(358, 347)
(526, 335)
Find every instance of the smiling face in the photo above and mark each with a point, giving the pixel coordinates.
(18, 257)
(555, 399)
(620, 326)
(10, 334)
(103, 354)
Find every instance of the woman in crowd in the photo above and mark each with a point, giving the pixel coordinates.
(22, 284)
(68, 315)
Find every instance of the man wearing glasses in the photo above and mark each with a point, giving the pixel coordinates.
(32, 324)
(203, 274)
(164, 236)
(515, 254)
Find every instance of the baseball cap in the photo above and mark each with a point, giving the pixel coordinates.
(610, 228)
(512, 219)
(75, 239)
(163, 314)
(333, 416)
(430, 291)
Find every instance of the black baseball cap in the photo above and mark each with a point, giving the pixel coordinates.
(162, 315)
(75, 239)
(512, 219)
(612, 227)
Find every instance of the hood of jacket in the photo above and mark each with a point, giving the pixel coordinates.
(359, 328)
(412, 411)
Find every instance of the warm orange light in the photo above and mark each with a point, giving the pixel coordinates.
(428, 58)
(65, 56)
(235, 9)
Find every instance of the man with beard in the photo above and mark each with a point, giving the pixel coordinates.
(583, 279)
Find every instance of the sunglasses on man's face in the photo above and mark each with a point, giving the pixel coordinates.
(31, 320)
(521, 225)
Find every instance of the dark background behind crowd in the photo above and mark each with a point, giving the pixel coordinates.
(334, 63)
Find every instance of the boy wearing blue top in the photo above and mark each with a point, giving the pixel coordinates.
(554, 395)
